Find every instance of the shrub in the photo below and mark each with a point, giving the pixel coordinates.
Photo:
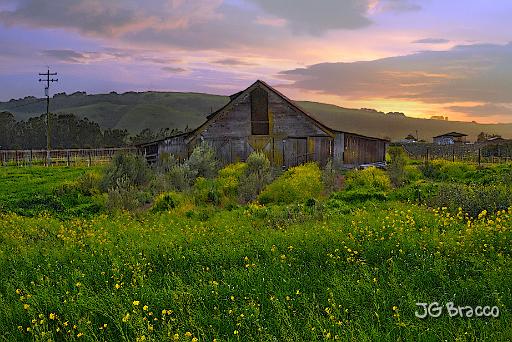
(443, 170)
(330, 178)
(370, 178)
(131, 168)
(359, 195)
(206, 191)
(295, 185)
(123, 196)
(159, 183)
(258, 164)
(418, 191)
(167, 201)
(229, 179)
(203, 162)
(165, 162)
(396, 165)
(258, 175)
(473, 199)
(90, 183)
(180, 177)
(412, 173)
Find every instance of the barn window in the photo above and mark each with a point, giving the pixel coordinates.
(259, 112)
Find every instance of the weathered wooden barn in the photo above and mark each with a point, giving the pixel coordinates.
(260, 118)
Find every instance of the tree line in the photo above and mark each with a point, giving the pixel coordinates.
(68, 131)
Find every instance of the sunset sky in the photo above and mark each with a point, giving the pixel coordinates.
(424, 58)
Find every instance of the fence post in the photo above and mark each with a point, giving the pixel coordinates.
(89, 159)
(67, 158)
(479, 158)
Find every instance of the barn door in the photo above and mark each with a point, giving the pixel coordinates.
(295, 151)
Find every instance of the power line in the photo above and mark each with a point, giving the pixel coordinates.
(48, 80)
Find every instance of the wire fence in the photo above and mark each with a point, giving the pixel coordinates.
(475, 153)
(65, 157)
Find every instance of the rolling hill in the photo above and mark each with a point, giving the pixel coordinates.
(137, 110)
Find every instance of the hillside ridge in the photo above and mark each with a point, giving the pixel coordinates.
(135, 111)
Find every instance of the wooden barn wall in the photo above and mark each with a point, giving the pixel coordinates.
(293, 138)
(338, 149)
(362, 150)
(176, 146)
(150, 152)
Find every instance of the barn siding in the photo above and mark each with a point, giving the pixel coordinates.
(338, 149)
(175, 146)
(362, 150)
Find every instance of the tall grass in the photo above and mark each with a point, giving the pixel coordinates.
(234, 276)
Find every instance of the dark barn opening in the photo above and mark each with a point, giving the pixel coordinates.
(259, 112)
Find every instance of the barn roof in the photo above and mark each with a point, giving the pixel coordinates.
(452, 134)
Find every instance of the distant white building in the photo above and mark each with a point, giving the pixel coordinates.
(450, 138)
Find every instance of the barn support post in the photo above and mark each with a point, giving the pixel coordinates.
(16, 156)
(67, 158)
(453, 154)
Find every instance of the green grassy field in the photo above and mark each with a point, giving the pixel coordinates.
(306, 271)
(32, 190)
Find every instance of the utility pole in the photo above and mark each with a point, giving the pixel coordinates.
(48, 80)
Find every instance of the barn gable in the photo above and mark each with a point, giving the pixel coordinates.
(237, 117)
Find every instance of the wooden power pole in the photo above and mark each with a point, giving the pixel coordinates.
(48, 80)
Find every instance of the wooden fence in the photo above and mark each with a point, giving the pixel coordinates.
(69, 157)
(476, 153)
